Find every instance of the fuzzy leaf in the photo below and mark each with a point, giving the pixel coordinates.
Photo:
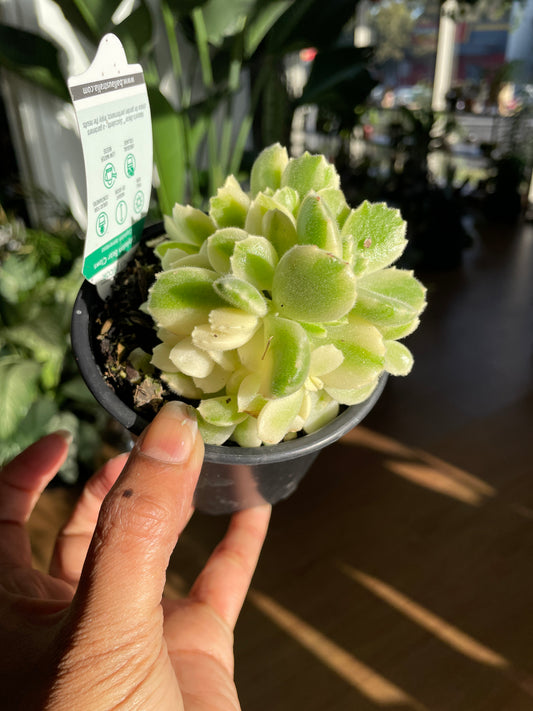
(191, 360)
(324, 359)
(352, 396)
(221, 411)
(378, 235)
(364, 354)
(181, 298)
(312, 285)
(258, 209)
(277, 416)
(398, 359)
(286, 359)
(245, 434)
(188, 224)
(310, 172)
(241, 295)
(228, 208)
(254, 260)
(316, 225)
(220, 247)
(267, 168)
(280, 230)
(182, 385)
(213, 434)
(390, 297)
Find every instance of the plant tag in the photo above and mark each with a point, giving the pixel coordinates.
(113, 114)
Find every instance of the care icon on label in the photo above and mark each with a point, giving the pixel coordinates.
(138, 201)
(102, 223)
(110, 175)
(129, 165)
(121, 212)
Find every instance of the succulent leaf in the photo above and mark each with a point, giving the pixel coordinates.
(228, 208)
(220, 247)
(352, 396)
(312, 285)
(191, 360)
(267, 168)
(188, 224)
(378, 235)
(364, 354)
(281, 304)
(241, 295)
(254, 260)
(280, 230)
(180, 298)
(245, 433)
(277, 416)
(316, 225)
(286, 359)
(390, 297)
(398, 358)
(221, 411)
(310, 172)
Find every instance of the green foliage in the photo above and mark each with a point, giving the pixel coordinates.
(40, 388)
(263, 322)
(210, 44)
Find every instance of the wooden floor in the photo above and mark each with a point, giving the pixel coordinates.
(400, 575)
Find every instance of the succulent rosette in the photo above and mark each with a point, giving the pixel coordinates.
(281, 303)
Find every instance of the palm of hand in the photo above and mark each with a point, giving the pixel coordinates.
(72, 646)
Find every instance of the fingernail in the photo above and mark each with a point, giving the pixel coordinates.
(170, 437)
(66, 435)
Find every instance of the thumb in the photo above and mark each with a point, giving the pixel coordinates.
(140, 521)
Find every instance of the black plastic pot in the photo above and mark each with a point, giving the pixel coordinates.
(232, 477)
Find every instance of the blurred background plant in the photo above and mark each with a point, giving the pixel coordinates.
(214, 71)
(40, 388)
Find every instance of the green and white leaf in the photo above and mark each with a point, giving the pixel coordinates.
(398, 359)
(220, 247)
(312, 285)
(316, 225)
(241, 295)
(378, 235)
(364, 354)
(277, 416)
(254, 260)
(268, 168)
(310, 172)
(188, 224)
(229, 207)
(221, 411)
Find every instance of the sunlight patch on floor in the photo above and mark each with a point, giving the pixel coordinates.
(441, 482)
(447, 633)
(367, 681)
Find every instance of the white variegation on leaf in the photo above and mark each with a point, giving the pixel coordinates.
(281, 303)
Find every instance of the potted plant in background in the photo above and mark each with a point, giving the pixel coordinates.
(277, 313)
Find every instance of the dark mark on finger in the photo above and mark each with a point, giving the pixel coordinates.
(127, 493)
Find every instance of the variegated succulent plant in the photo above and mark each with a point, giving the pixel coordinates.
(280, 304)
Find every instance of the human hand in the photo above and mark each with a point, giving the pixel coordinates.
(96, 634)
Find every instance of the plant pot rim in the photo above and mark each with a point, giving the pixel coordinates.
(82, 339)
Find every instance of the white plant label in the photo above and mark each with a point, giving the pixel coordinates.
(113, 114)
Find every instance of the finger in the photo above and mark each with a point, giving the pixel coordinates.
(75, 537)
(21, 483)
(140, 521)
(225, 579)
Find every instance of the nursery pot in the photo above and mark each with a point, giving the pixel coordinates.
(232, 477)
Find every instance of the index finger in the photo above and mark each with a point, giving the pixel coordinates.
(226, 577)
(21, 483)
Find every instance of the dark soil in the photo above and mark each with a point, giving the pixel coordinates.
(122, 327)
